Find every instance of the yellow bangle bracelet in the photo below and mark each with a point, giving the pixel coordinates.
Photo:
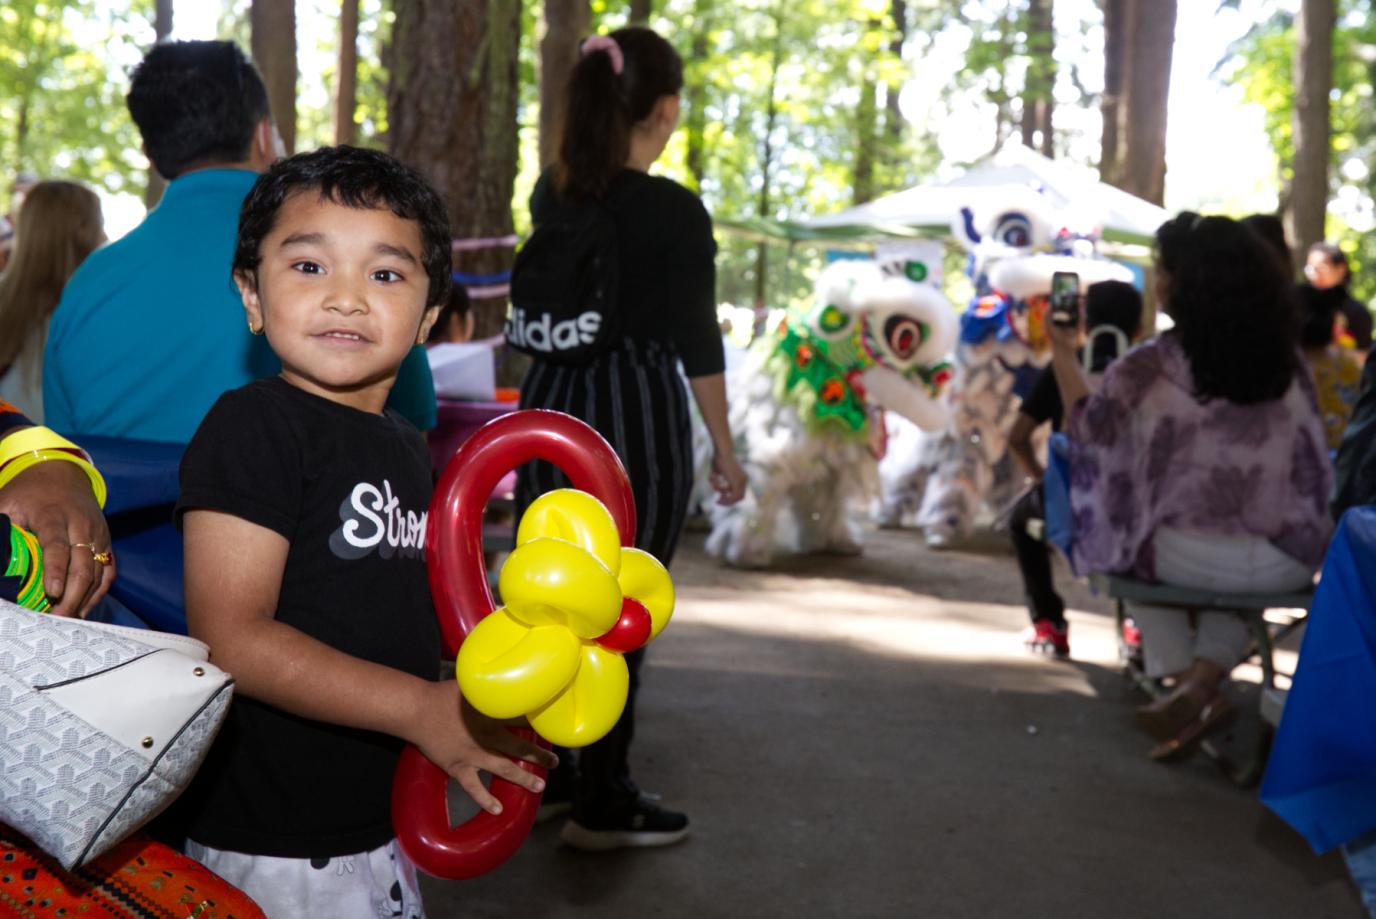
(18, 464)
(26, 440)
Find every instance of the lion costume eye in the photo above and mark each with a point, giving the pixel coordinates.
(904, 335)
(1014, 230)
(832, 321)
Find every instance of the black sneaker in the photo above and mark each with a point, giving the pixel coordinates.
(638, 824)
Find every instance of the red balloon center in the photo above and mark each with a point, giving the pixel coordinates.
(631, 631)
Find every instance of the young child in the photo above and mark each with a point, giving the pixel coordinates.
(303, 510)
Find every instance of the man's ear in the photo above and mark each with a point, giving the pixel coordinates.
(247, 283)
(427, 321)
(267, 144)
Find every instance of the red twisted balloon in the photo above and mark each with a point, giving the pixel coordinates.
(458, 582)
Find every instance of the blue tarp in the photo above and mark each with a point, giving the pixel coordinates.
(142, 480)
(1060, 523)
(1321, 777)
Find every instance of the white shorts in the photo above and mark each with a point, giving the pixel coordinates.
(371, 885)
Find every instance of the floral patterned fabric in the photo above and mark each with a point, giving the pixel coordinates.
(1337, 382)
(1145, 454)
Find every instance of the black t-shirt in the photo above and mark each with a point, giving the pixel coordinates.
(350, 491)
(1043, 403)
(667, 257)
(1358, 320)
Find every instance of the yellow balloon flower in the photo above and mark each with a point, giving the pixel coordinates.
(575, 600)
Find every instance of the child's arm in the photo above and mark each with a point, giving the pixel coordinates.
(233, 574)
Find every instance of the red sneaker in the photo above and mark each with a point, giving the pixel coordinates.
(1045, 637)
(1130, 643)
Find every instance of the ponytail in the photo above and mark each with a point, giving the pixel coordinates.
(614, 86)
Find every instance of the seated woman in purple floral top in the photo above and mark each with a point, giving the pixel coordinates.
(1201, 461)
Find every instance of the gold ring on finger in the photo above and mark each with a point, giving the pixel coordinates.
(100, 558)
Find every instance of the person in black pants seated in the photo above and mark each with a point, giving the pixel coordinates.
(1113, 315)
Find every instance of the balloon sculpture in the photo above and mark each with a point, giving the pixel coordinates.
(576, 599)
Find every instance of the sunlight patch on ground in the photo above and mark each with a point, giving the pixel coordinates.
(929, 629)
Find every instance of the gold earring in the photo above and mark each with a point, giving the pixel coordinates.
(252, 330)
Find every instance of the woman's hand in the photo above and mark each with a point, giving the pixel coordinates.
(53, 500)
(1064, 338)
(727, 477)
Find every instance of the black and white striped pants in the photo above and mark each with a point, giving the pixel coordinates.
(634, 397)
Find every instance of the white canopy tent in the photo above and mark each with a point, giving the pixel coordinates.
(928, 210)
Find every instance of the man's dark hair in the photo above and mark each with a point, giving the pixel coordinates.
(357, 178)
(196, 102)
(1111, 303)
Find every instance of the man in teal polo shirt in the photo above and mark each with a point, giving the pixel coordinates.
(150, 330)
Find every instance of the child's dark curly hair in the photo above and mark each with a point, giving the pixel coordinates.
(357, 178)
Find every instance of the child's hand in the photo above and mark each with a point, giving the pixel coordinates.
(461, 740)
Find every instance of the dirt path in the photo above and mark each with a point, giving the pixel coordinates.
(866, 737)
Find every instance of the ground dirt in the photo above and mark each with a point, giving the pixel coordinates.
(866, 737)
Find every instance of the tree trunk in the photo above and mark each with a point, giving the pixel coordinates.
(273, 27)
(866, 137)
(346, 74)
(640, 12)
(162, 27)
(695, 94)
(1308, 199)
(1139, 163)
(451, 102)
(1038, 100)
(767, 154)
(894, 122)
(1115, 57)
(566, 23)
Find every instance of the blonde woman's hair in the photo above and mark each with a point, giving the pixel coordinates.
(59, 224)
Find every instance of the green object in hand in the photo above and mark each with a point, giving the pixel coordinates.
(26, 563)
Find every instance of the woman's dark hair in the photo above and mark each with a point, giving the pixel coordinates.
(602, 106)
(1232, 306)
(1272, 232)
(1337, 258)
(196, 102)
(1318, 311)
(357, 178)
(1111, 303)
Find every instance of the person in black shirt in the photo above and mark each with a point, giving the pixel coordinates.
(1327, 267)
(1109, 305)
(303, 508)
(622, 106)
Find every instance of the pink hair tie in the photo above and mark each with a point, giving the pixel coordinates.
(608, 44)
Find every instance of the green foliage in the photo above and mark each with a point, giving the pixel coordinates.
(63, 76)
(1262, 64)
(818, 56)
(319, 56)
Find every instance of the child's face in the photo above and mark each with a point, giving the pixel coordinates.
(341, 296)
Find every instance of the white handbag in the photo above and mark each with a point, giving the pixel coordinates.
(101, 727)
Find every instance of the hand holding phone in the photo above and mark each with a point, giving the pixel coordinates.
(1065, 298)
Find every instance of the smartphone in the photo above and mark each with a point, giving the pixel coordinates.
(1065, 298)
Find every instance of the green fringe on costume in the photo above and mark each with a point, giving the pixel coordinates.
(807, 376)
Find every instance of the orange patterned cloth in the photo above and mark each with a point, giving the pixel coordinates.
(138, 879)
